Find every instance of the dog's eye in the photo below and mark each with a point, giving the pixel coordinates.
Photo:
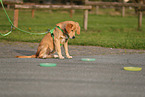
(72, 30)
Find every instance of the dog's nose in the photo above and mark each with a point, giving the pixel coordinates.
(73, 37)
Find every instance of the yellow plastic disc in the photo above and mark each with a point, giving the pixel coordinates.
(133, 68)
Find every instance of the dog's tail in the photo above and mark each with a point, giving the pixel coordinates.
(32, 56)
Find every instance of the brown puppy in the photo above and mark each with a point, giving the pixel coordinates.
(52, 41)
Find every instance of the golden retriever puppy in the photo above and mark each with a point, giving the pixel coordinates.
(52, 41)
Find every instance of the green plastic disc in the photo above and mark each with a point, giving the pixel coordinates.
(88, 59)
(47, 64)
(133, 68)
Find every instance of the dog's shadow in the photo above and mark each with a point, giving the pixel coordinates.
(25, 52)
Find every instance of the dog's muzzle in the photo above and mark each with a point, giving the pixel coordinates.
(73, 37)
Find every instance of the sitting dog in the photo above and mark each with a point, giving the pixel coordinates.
(52, 41)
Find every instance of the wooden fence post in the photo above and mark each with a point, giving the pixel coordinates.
(97, 10)
(123, 11)
(8, 6)
(140, 16)
(139, 20)
(71, 13)
(33, 13)
(85, 19)
(16, 15)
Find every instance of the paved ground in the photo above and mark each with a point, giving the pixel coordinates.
(104, 77)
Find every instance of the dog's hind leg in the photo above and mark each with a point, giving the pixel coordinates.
(43, 52)
(47, 53)
(52, 51)
(47, 56)
(51, 56)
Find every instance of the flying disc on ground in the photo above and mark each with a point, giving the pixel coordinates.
(88, 59)
(133, 68)
(47, 64)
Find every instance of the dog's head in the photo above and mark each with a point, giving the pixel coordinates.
(71, 28)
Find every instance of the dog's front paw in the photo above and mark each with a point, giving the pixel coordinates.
(69, 57)
(55, 56)
(61, 57)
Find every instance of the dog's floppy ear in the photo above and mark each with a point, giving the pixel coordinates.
(68, 27)
(78, 28)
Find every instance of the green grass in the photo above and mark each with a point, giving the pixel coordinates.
(103, 30)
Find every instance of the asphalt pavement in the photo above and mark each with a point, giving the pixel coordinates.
(104, 77)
